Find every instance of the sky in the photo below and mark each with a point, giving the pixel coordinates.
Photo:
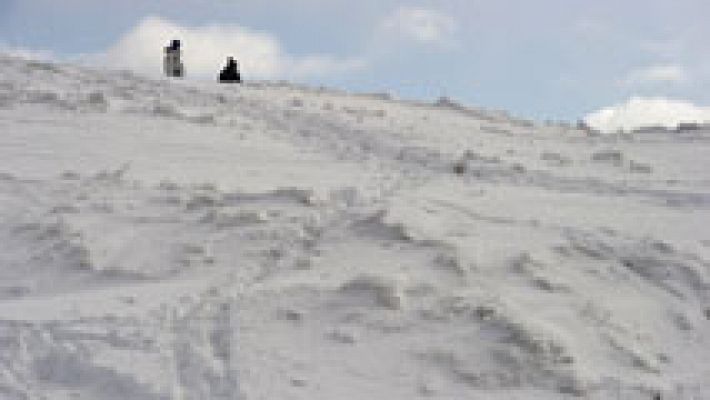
(540, 59)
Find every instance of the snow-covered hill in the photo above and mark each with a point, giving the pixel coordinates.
(187, 240)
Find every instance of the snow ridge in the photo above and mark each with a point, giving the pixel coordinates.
(183, 240)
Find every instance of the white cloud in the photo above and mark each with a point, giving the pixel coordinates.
(206, 48)
(668, 73)
(641, 112)
(422, 25)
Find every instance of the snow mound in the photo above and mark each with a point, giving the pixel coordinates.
(641, 112)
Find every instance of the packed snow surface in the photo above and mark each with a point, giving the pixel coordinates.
(183, 240)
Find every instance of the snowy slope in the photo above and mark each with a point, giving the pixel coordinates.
(185, 240)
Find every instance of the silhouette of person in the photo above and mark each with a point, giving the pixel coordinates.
(230, 73)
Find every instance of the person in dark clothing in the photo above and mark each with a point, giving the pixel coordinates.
(230, 73)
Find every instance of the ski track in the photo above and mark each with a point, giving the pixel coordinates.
(399, 250)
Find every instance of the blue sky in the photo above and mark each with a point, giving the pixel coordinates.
(543, 59)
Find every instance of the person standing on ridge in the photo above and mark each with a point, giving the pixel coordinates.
(230, 73)
(172, 65)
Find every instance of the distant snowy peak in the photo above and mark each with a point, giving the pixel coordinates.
(643, 112)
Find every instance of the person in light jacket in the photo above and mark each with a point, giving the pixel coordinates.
(172, 64)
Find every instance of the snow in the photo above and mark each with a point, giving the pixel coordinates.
(185, 240)
(647, 112)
